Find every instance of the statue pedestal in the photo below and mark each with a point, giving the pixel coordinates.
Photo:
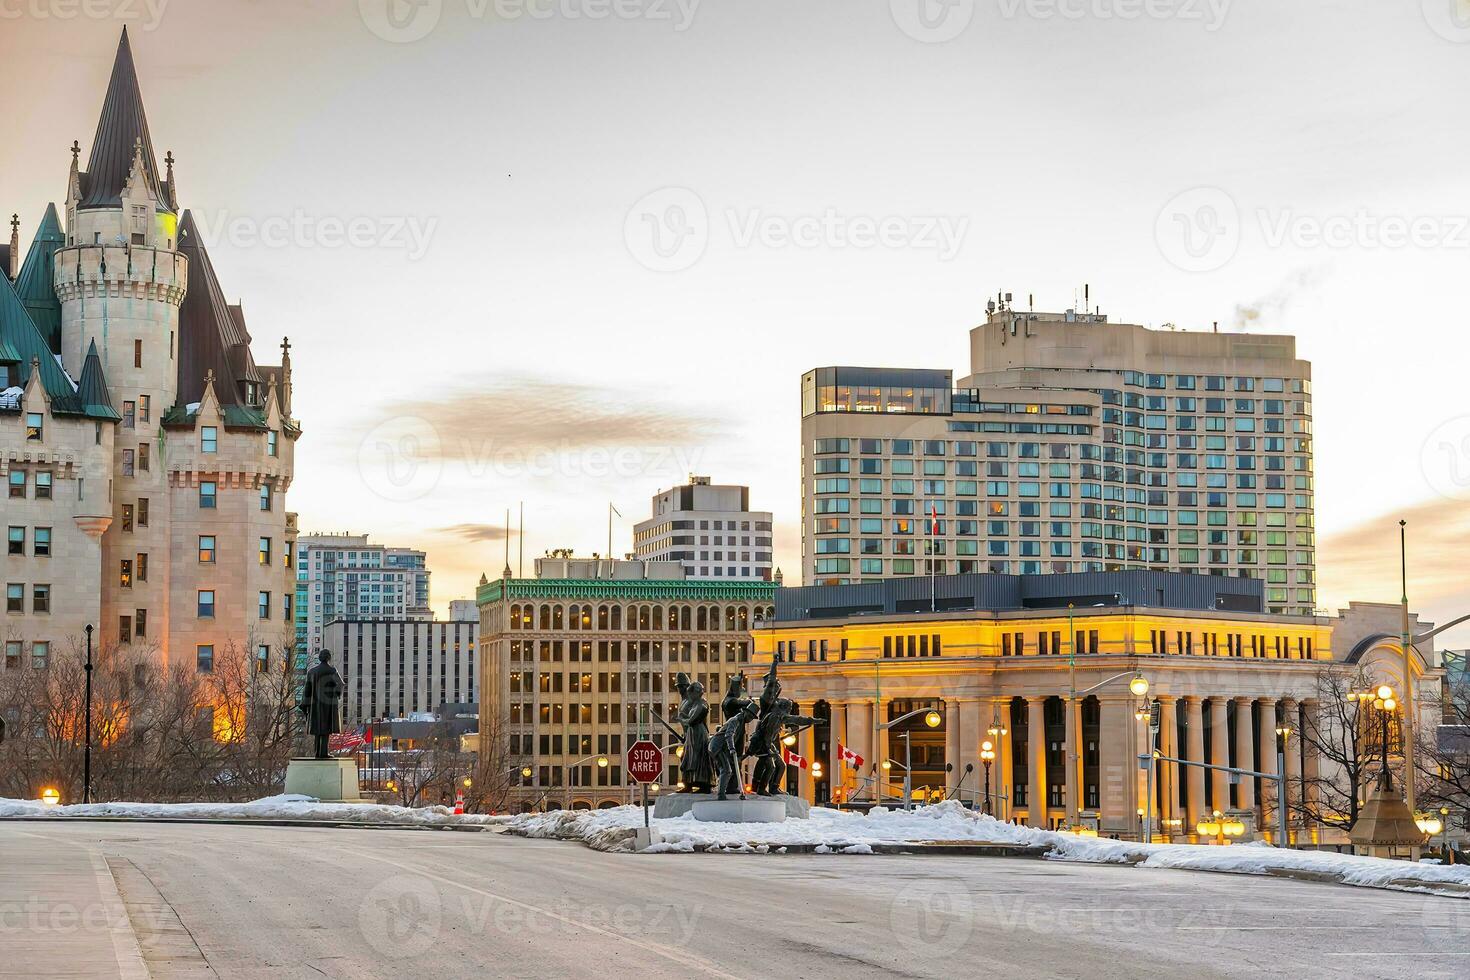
(735, 810)
(328, 780)
(677, 804)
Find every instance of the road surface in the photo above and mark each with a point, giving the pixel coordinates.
(192, 900)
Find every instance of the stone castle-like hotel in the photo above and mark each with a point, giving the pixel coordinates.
(145, 454)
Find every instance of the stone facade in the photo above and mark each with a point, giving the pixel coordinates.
(170, 459)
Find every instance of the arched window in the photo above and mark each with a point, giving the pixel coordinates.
(685, 614)
(545, 616)
(617, 617)
(658, 617)
(515, 617)
(701, 619)
(730, 619)
(602, 617)
(574, 618)
(645, 618)
(742, 619)
(557, 622)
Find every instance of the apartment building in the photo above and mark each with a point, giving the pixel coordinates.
(709, 529)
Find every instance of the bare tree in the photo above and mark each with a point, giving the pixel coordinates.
(1443, 755)
(1343, 732)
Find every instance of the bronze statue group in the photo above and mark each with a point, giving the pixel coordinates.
(713, 762)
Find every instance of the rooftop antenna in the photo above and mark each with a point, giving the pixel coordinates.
(1217, 326)
(1086, 298)
(1030, 302)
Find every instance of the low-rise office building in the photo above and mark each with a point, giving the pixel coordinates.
(394, 668)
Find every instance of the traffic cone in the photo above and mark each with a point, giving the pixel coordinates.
(459, 802)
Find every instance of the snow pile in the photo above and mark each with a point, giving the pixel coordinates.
(10, 397)
(283, 807)
(840, 832)
(614, 829)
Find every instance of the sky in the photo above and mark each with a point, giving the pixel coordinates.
(566, 252)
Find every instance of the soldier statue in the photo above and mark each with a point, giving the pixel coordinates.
(724, 753)
(321, 702)
(694, 766)
(734, 704)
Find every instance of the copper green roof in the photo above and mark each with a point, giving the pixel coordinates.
(22, 344)
(92, 389)
(583, 588)
(119, 128)
(35, 282)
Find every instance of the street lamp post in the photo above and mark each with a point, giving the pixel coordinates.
(933, 719)
(567, 774)
(987, 756)
(1283, 735)
(995, 731)
(1138, 684)
(87, 748)
(1407, 640)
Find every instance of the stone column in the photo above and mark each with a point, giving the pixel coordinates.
(1293, 760)
(1245, 754)
(1167, 773)
(1072, 753)
(1116, 763)
(1002, 776)
(1220, 752)
(972, 733)
(860, 740)
(837, 737)
(953, 739)
(1266, 738)
(1036, 761)
(1311, 761)
(1194, 780)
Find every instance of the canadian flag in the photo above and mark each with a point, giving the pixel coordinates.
(850, 757)
(792, 759)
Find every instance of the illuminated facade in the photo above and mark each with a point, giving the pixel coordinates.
(1074, 445)
(999, 661)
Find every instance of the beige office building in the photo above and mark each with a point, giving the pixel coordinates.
(573, 662)
(1073, 445)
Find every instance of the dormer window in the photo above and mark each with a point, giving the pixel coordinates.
(208, 439)
(34, 426)
(140, 224)
(252, 393)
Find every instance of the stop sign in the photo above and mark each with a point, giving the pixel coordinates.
(645, 761)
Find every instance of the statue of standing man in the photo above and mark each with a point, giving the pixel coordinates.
(321, 702)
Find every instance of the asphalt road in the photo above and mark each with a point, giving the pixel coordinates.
(239, 901)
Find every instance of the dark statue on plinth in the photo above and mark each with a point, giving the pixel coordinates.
(735, 703)
(776, 713)
(694, 766)
(726, 745)
(321, 702)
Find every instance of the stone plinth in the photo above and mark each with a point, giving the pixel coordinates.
(754, 810)
(678, 804)
(328, 780)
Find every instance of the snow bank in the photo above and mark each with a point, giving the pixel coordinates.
(614, 829)
(840, 832)
(283, 807)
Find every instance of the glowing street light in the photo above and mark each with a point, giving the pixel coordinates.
(1138, 685)
(50, 796)
(933, 719)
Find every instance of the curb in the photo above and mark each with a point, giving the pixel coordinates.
(260, 822)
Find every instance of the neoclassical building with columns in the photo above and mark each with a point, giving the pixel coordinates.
(1035, 664)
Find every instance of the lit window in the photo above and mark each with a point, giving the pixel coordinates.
(265, 551)
(34, 427)
(206, 547)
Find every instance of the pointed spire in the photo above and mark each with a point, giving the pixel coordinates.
(92, 388)
(170, 188)
(122, 135)
(34, 283)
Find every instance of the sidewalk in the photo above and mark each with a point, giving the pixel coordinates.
(60, 914)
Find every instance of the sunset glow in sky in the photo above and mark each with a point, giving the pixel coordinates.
(568, 252)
